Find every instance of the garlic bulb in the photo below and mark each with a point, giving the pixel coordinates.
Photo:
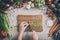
(49, 23)
(28, 6)
(29, 2)
(32, 5)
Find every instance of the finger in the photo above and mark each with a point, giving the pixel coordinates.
(26, 26)
(24, 23)
(33, 32)
(34, 35)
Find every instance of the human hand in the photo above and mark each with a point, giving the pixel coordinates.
(34, 35)
(23, 26)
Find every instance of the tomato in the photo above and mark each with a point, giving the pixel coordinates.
(50, 15)
(50, 1)
(3, 34)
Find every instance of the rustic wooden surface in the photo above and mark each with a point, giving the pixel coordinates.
(31, 18)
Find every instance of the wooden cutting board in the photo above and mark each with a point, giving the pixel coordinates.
(35, 22)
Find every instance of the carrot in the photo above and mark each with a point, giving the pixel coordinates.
(53, 27)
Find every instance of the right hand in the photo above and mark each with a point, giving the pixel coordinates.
(23, 26)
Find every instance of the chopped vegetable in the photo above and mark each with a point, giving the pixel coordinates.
(35, 24)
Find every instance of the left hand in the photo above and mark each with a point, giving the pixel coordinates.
(34, 35)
